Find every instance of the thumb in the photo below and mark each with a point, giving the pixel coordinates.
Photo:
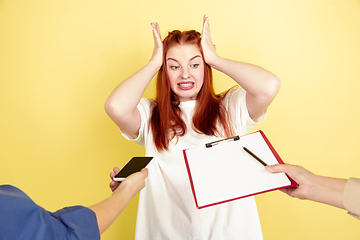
(276, 168)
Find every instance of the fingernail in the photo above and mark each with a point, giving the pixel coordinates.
(268, 168)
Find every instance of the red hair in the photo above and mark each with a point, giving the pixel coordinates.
(166, 122)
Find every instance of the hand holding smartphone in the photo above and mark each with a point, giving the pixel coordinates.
(134, 165)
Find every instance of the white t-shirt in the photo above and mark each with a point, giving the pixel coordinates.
(167, 207)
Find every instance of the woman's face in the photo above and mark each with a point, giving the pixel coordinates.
(185, 68)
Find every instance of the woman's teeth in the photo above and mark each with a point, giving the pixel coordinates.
(186, 84)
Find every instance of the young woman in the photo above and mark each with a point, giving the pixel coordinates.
(187, 113)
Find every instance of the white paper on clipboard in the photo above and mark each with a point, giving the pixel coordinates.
(225, 172)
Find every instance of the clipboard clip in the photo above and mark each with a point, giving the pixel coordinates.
(210, 144)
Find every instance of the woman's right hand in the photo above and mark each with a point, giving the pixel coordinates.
(157, 56)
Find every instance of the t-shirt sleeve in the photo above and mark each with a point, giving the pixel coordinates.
(235, 102)
(81, 222)
(144, 108)
(352, 197)
(21, 218)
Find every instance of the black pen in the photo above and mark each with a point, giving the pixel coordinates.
(254, 156)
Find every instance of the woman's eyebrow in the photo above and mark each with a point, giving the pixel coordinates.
(172, 59)
(196, 56)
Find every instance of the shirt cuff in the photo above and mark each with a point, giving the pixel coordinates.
(352, 197)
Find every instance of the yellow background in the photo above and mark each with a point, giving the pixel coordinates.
(59, 61)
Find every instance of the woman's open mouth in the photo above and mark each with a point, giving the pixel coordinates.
(186, 85)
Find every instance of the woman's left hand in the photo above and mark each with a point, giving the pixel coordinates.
(207, 45)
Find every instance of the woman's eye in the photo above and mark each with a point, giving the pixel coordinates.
(194, 65)
(174, 67)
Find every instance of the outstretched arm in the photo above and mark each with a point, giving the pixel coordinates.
(121, 106)
(109, 209)
(312, 187)
(261, 85)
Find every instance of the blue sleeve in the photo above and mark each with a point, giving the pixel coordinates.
(21, 218)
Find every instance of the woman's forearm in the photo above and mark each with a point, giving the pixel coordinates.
(254, 79)
(129, 92)
(121, 106)
(260, 85)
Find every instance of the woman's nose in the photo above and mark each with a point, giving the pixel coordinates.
(185, 73)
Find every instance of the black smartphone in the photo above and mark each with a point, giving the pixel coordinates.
(134, 165)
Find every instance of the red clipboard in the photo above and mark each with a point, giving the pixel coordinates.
(222, 171)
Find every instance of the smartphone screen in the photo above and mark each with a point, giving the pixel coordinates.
(134, 165)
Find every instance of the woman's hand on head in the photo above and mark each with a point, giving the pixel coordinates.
(157, 56)
(207, 45)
